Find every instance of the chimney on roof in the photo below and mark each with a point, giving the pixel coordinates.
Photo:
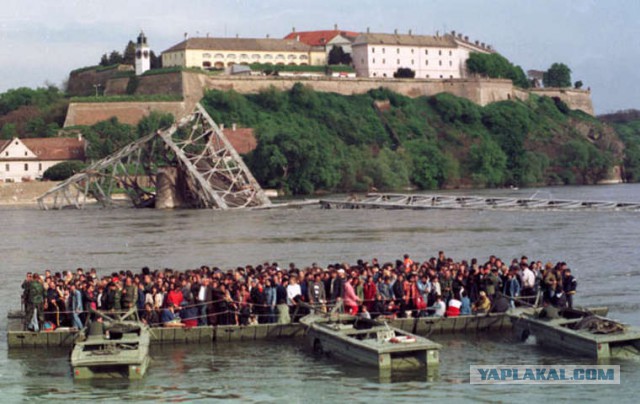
(466, 38)
(482, 44)
(186, 36)
(207, 35)
(410, 32)
(267, 36)
(459, 36)
(237, 35)
(453, 33)
(233, 126)
(395, 31)
(335, 27)
(477, 42)
(368, 31)
(293, 29)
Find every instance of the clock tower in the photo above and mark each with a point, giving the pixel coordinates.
(143, 55)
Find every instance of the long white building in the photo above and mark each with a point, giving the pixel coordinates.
(431, 57)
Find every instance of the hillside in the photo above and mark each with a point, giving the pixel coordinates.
(316, 141)
(627, 125)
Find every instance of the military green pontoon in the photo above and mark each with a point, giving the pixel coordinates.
(370, 343)
(115, 347)
(579, 331)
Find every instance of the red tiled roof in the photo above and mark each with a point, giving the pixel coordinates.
(56, 148)
(3, 143)
(242, 139)
(320, 38)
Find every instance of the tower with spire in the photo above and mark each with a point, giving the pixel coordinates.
(143, 55)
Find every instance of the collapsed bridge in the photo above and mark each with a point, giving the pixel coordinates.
(188, 165)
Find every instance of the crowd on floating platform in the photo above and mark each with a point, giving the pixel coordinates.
(267, 293)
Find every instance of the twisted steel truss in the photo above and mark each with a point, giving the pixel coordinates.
(210, 171)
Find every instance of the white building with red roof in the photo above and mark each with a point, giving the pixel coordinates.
(28, 159)
(325, 38)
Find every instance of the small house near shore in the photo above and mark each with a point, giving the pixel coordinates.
(27, 159)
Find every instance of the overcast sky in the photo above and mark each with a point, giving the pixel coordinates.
(42, 40)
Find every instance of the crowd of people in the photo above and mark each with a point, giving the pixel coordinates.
(266, 293)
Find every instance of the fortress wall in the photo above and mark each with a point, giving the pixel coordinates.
(81, 84)
(126, 112)
(165, 84)
(574, 98)
(116, 86)
(192, 86)
(479, 91)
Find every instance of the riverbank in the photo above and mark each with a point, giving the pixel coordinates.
(23, 193)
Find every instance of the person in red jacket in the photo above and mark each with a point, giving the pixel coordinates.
(370, 291)
(453, 309)
(175, 296)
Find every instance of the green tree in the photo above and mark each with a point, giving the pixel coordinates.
(337, 56)
(578, 84)
(584, 159)
(104, 60)
(295, 161)
(64, 170)
(115, 58)
(558, 75)
(431, 168)
(8, 131)
(488, 164)
(155, 61)
(495, 65)
(404, 73)
(129, 55)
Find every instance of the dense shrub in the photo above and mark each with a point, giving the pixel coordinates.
(64, 170)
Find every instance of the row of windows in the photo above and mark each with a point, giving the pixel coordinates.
(255, 56)
(220, 65)
(426, 51)
(426, 62)
(7, 167)
(25, 153)
(428, 76)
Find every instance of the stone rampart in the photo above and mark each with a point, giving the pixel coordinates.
(83, 83)
(193, 85)
(126, 112)
(480, 91)
(574, 98)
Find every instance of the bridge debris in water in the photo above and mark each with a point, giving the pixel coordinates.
(188, 165)
(425, 201)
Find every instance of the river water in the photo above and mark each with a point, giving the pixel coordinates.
(600, 247)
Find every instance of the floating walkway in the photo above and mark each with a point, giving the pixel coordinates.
(65, 337)
(423, 326)
(425, 201)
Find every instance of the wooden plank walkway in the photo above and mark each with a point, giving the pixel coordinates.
(438, 201)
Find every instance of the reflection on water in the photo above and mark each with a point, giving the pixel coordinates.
(601, 248)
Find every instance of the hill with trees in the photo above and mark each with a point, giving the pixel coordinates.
(310, 141)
